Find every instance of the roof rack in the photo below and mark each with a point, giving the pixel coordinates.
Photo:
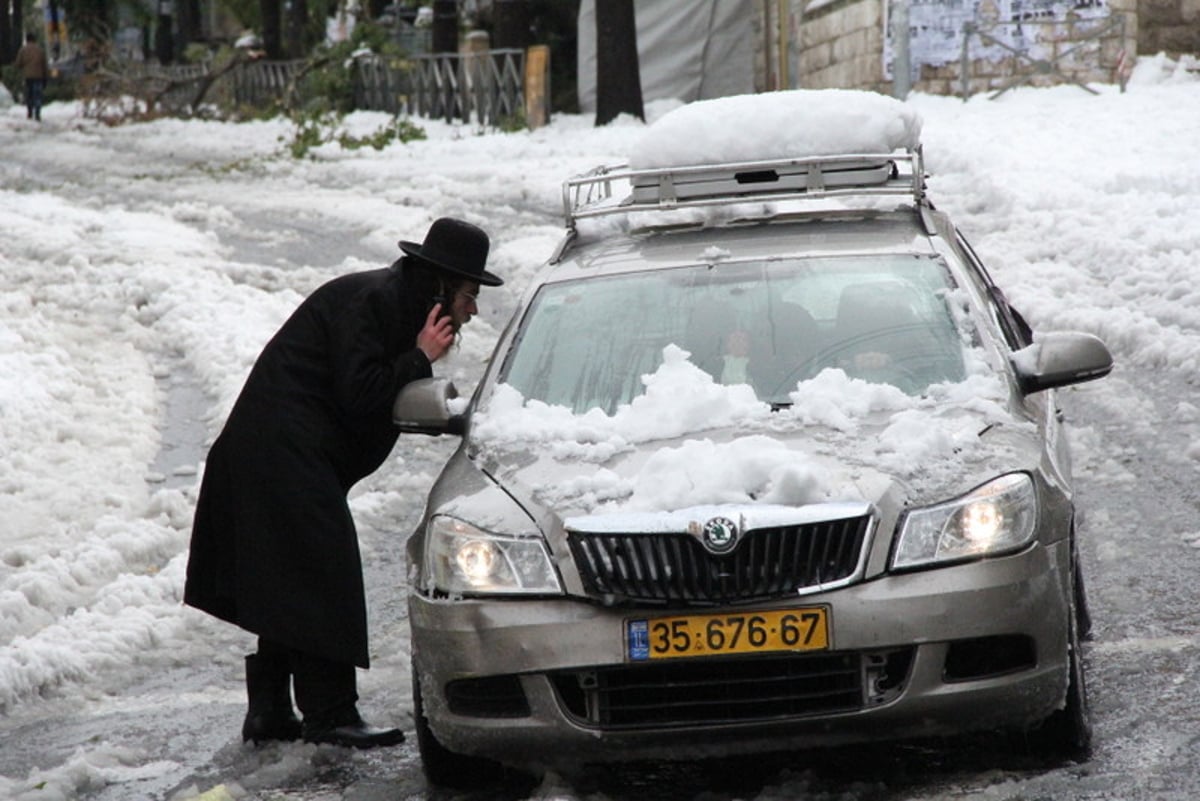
(808, 178)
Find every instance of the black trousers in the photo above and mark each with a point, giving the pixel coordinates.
(326, 691)
(34, 91)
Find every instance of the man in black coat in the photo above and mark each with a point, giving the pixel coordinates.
(274, 549)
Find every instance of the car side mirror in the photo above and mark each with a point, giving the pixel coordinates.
(423, 407)
(1061, 358)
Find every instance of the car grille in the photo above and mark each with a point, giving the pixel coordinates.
(675, 568)
(735, 690)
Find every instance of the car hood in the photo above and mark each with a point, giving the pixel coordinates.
(895, 453)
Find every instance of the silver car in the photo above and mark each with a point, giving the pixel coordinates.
(844, 513)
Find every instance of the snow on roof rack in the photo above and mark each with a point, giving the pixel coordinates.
(808, 178)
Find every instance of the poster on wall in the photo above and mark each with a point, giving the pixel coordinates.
(936, 28)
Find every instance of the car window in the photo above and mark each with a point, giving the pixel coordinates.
(586, 344)
(1013, 325)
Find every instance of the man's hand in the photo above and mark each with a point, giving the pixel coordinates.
(437, 335)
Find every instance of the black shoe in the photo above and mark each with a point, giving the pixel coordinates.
(270, 716)
(354, 734)
(261, 728)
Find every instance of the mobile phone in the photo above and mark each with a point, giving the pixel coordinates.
(445, 310)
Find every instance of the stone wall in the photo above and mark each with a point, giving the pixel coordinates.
(819, 44)
(1169, 26)
(842, 44)
(1072, 50)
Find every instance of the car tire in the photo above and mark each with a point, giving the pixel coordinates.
(1083, 613)
(1067, 733)
(446, 768)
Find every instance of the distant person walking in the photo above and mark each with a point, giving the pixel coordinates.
(35, 69)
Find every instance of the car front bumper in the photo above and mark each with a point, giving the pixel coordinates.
(945, 621)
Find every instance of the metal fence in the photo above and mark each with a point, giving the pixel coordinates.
(171, 86)
(261, 83)
(178, 87)
(380, 85)
(487, 87)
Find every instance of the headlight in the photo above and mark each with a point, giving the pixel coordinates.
(997, 517)
(463, 559)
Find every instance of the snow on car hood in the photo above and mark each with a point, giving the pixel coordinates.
(689, 441)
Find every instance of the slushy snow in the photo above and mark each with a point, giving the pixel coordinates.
(1084, 208)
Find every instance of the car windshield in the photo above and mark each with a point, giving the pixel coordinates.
(586, 344)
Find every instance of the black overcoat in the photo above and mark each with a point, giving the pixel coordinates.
(274, 549)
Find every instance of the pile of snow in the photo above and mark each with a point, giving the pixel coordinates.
(778, 125)
(912, 436)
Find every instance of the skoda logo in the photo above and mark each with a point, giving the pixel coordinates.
(719, 535)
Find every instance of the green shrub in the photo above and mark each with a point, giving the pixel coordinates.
(328, 84)
(197, 53)
(315, 128)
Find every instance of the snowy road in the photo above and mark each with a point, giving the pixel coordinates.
(142, 267)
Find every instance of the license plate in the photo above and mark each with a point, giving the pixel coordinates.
(728, 633)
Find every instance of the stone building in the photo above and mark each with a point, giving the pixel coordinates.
(693, 49)
(951, 46)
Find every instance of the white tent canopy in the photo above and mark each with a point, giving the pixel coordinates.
(687, 49)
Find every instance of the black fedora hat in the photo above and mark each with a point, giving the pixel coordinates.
(457, 247)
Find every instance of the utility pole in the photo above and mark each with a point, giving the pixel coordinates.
(901, 50)
(164, 39)
(445, 26)
(511, 22)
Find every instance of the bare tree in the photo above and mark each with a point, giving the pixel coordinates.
(297, 40)
(93, 18)
(618, 78)
(8, 49)
(510, 21)
(164, 36)
(189, 23)
(445, 26)
(272, 27)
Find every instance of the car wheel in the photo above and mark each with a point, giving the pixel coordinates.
(447, 768)
(1083, 614)
(1067, 732)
